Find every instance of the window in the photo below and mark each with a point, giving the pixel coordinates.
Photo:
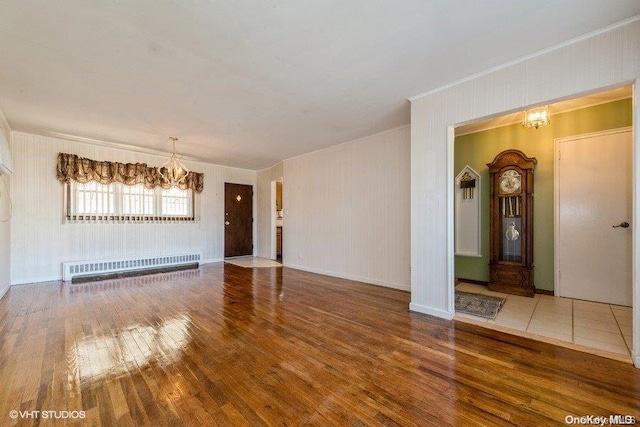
(94, 198)
(137, 200)
(175, 201)
(99, 202)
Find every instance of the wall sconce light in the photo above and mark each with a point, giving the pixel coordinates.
(536, 117)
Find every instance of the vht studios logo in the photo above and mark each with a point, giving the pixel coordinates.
(47, 414)
(594, 420)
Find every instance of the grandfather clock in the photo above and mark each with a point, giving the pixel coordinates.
(511, 223)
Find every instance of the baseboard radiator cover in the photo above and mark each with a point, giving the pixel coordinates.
(105, 267)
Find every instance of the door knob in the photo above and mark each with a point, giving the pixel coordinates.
(227, 223)
(622, 224)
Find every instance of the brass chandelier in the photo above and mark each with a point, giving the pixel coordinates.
(536, 117)
(173, 171)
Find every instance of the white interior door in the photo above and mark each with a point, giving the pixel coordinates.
(594, 194)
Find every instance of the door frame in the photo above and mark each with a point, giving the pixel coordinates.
(253, 216)
(556, 197)
(272, 222)
(635, 236)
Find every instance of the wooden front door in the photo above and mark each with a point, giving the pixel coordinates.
(238, 216)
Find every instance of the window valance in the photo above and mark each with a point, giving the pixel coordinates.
(71, 167)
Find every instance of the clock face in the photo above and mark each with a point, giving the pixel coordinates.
(510, 182)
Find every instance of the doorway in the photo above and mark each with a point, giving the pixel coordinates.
(277, 219)
(238, 224)
(593, 194)
(546, 315)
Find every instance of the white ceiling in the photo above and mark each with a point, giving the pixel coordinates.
(249, 83)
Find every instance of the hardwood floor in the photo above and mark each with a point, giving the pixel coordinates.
(226, 345)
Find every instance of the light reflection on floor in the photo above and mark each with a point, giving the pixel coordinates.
(94, 358)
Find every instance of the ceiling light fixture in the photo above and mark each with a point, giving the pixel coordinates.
(173, 171)
(536, 117)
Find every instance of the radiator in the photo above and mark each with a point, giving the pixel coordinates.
(117, 265)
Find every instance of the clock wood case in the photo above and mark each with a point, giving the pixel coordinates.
(511, 223)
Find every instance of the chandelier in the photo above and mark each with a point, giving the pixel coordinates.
(173, 171)
(536, 117)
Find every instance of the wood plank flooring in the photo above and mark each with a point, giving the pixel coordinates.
(226, 345)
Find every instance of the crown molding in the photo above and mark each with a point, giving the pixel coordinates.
(521, 59)
(4, 123)
(360, 139)
(109, 144)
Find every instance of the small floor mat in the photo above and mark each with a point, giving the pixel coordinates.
(478, 304)
(253, 262)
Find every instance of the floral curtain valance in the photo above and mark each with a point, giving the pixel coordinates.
(71, 167)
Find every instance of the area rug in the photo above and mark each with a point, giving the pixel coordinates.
(478, 304)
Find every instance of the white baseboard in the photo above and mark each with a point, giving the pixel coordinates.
(211, 261)
(431, 311)
(4, 290)
(367, 280)
(31, 280)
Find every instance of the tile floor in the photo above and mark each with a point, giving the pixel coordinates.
(253, 262)
(604, 327)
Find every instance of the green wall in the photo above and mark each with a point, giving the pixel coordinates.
(478, 149)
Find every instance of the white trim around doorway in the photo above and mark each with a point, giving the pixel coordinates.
(635, 353)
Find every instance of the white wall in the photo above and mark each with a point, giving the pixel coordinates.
(5, 227)
(40, 241)
(606, 59)
(346, 210)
